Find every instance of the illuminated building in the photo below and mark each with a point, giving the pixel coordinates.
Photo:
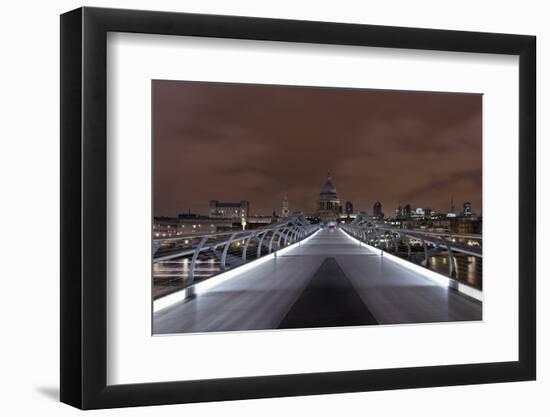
(377, 210)
(285, 212)
(328, 206)
(220, 209)
(467, 209)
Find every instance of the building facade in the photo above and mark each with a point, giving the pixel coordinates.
(377, 210)
(285, 212)
(190, 224)
(328, 205)
(219, 209)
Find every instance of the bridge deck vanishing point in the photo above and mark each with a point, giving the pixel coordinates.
(328, 280)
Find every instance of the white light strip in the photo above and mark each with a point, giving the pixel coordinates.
(210, 283)
(432, 275)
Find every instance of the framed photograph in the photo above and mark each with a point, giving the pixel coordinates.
(257, 208)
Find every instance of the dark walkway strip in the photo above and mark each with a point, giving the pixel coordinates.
(329, 300)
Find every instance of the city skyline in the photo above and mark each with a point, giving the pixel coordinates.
(235, 142)
(457, 206)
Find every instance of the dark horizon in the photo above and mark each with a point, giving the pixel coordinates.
(232, 142)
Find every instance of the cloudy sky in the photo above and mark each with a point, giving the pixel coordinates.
(234, 142)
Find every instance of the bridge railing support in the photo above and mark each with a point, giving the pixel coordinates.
(204, 256)
(451, 247)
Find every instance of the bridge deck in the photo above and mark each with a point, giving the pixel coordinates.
(330, 280)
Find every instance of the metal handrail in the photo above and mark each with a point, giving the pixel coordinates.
(436, 239)
(293, 229)
(386, 238)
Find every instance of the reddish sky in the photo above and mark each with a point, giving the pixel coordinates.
(247, 141)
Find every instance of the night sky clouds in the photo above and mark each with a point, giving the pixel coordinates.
(237, 141)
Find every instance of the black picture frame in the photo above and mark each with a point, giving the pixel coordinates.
(84, 207)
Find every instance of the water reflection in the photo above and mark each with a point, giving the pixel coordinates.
(467, 269)
(173, 275)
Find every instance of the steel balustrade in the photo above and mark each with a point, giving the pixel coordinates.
(389, 239)
(235, 246)
(181, 260)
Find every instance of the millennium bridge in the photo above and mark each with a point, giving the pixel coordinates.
(294, 274)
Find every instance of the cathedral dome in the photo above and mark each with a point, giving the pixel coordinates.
(328, 187)
(328, 206)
